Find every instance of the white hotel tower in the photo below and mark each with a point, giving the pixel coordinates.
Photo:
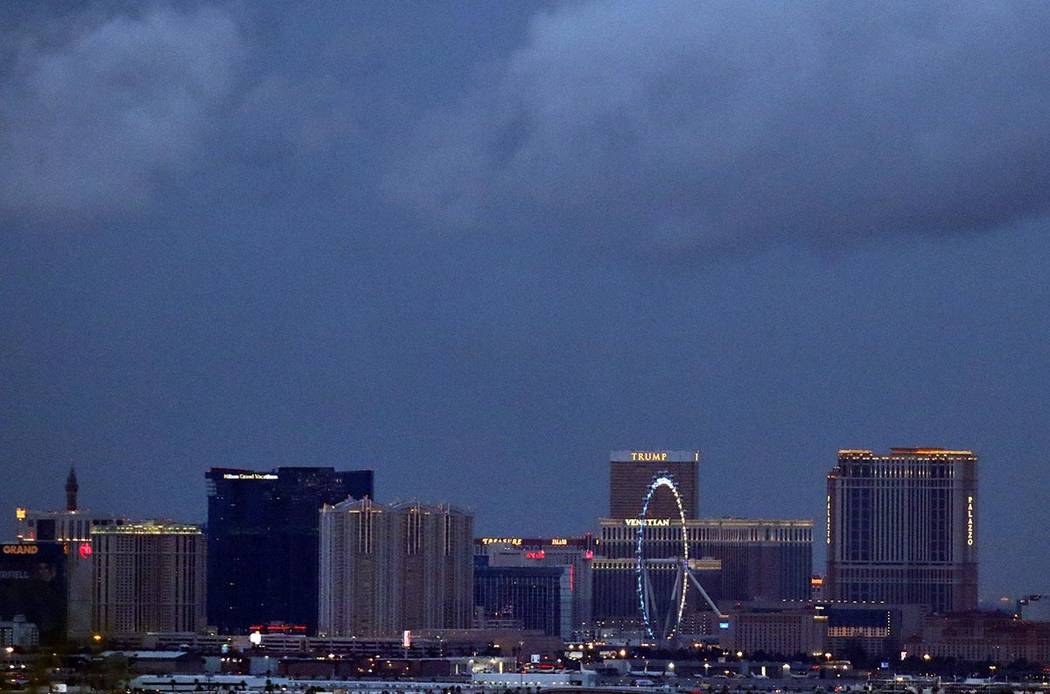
(387, 568)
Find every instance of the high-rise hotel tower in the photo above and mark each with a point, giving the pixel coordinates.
(902, 527)
(388, 568)
(631, 472)
(148, 576)
(262, 542)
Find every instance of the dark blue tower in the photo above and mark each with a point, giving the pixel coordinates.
(263, 540)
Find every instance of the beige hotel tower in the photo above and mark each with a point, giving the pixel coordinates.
(387, 568)
(902, 527)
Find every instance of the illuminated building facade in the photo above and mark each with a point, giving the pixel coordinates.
(263, 539)
(776, 632)
(33, 585)
(149, 577)
(735, 559)
(60, 526)
(70, 527)
(631, 472)
(388, 568)
(902, 528)
(876, 629)
(845, 630)
(575, 553)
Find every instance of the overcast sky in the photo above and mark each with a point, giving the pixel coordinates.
(475, 246)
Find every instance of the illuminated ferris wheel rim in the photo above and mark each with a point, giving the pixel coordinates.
(661, 479)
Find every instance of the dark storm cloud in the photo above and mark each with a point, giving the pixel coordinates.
(91, 119)
(279, 259)
(704, 125)
(123, 112)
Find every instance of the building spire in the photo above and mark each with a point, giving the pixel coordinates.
(71, 490)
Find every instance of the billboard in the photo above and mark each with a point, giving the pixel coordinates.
(33, 583)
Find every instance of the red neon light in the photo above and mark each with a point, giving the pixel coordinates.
(535, 555)
(572, 578)
(85, 550)
(276, 628)
(588, 554)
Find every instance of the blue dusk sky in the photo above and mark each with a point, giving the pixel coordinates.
(475, 246)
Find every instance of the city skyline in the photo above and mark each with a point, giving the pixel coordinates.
(618, 491)
(475, 247)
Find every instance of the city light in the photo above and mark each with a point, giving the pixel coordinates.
(648, 552)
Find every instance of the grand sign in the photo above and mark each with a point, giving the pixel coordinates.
(20, 549)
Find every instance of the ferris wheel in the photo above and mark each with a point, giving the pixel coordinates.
(673, 533)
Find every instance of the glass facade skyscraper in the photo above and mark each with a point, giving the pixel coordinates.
(263, 542)
(537, 597)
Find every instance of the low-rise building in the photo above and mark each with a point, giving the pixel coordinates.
(983, 637)
(844, 629)
(159, 662)
(18, 632)
(775, 632)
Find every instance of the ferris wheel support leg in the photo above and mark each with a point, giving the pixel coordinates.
(670, 625)
(651, 598)
(703, 593)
